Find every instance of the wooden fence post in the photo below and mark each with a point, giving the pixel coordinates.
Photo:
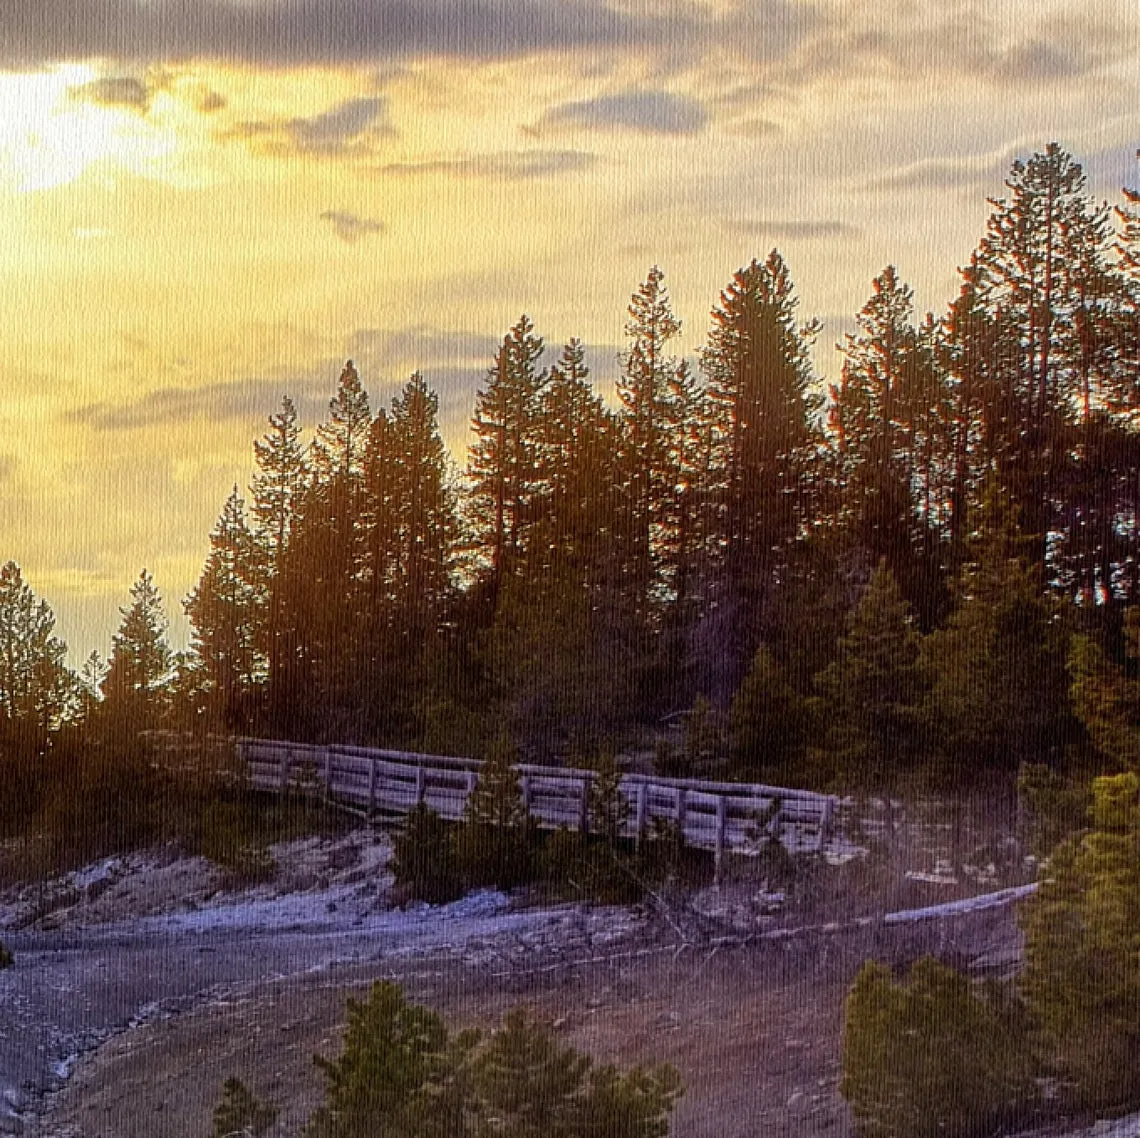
(372, 785)
(721, 826)
(284, 756)
(682, 796)
(328, 774)
(524, 784)
(584, 807)
(642, 811)
(421, 784)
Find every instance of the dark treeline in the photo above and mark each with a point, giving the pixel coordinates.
(931, 564)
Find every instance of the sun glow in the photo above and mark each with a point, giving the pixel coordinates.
(49, 138)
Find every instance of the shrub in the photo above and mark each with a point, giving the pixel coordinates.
(424, 860)
(227, 837)
(578, 868)
(538, 1089)
(400, 1074)
(6, 960)
(930, 1057)
(1054, 807)
(608, 807)
(241, 1114)
(498, 841)
(403, 1073)
(109, 801)
(1082, 943)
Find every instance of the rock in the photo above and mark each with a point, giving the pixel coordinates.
(797, 1100)
(14, 1099)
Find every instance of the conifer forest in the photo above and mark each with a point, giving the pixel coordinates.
(928, 564)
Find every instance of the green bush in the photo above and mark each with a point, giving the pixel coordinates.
(498, 842)
(241, 1114)
(1082, 947)
(930, 1058)
(400, 1074)
(1053, 807)
(424, 858)
(499, 857)
(574, 867)
(110, 800)
(6, 960)
(228, 837)
(403, 1074)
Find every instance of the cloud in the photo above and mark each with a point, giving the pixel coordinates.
(791, 230)
(298, 32)
(507, 165)
(969, 171)
(349, 227)
(1036, 61)
(116, 91)
(419, 346)
(251, 399)
(208, 101)
(349, 128)
(342, 124)
(652, 112)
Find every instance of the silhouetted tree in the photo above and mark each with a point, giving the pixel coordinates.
(135, 688)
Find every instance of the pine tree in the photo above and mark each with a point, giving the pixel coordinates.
(241, 1114)
(340, 444)
(1082, 949)
(410, 536)
(646, 419)
(1106, 697)
(37, 691)
(999, 685)
(578, 460)
(503, 464)
(872, 691)
(1042, 274)
(278, 494)
(139, 670)
(764, 413)
(399, 1075)
(769, 723)
(228, 610)
(888, 418)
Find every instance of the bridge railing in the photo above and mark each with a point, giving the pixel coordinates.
(718, 816)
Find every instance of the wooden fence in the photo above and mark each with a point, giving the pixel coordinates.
(718, 816)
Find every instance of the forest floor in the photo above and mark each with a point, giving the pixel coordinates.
(141, 983)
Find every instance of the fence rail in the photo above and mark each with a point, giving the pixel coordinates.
(719, 816)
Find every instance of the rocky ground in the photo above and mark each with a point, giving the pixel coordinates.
(141, 983)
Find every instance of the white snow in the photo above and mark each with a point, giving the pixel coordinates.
(966, 905)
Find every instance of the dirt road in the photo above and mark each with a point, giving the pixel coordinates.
(126, 1027)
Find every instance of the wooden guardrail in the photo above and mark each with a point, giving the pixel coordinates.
(718, 816)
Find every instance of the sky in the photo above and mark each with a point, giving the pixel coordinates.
(208, 204)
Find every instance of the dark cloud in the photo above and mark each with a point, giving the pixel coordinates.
(116, 91)
(350, 128)
(508, 165)
(294, 32)
(1036, 61)
(790, 230)
(250, 400)
(342, 124)
(208, 102)
(350, 227)
(654, 112)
